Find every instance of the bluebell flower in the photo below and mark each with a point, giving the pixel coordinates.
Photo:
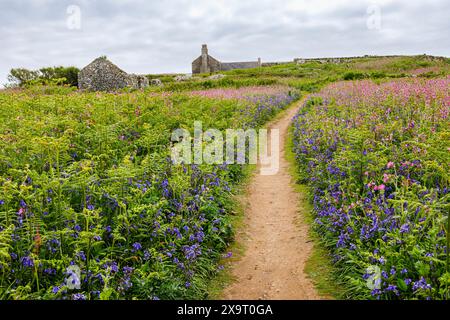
(96, 293)
(137, 246)
(81, 255)
(404, 228)
(50, 271)
(27, 262)
(127, 270)
(78, 296)
(421, 284)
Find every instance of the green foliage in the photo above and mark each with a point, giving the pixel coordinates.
(352, 75)
(165, 78)
(69, 74)
(86, 179)
(46, 76)
(221, 83)
(21, 76)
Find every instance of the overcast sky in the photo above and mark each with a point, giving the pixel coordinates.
(150, 36)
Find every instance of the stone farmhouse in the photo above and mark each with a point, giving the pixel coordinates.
(207, 64)
(103, 75)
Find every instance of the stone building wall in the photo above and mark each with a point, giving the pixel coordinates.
(213, 65)
(206, 64)
(225, 66)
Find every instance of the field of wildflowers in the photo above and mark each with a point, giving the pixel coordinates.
(268, 100)
(376, 157)
(91, 206)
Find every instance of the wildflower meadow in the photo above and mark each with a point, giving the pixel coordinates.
(91, 206)
(376, 159)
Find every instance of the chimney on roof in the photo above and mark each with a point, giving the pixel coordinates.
(204, 68)
(204, 49)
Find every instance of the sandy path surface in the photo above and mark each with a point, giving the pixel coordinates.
(274, 236)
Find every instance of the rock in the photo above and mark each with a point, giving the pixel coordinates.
(182, 78)
(216, 76)
(138, 81)
(156, 82)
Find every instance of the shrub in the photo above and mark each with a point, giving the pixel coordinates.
(353, 75)
(52, 75)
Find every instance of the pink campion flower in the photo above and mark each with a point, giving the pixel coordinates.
(22, 211)
(381, 187)
(390, 165)
(137, 112)
(386, 178)
(366, 173)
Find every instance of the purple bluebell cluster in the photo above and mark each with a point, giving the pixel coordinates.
(262, 108)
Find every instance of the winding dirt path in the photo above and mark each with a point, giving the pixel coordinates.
(274, 236)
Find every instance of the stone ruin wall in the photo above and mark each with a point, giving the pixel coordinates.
(103, 75)
(225, 66)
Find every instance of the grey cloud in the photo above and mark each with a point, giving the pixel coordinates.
(165, 36)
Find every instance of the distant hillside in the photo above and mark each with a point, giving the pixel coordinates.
(311, 74)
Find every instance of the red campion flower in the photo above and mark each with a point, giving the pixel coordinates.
(37, 241)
